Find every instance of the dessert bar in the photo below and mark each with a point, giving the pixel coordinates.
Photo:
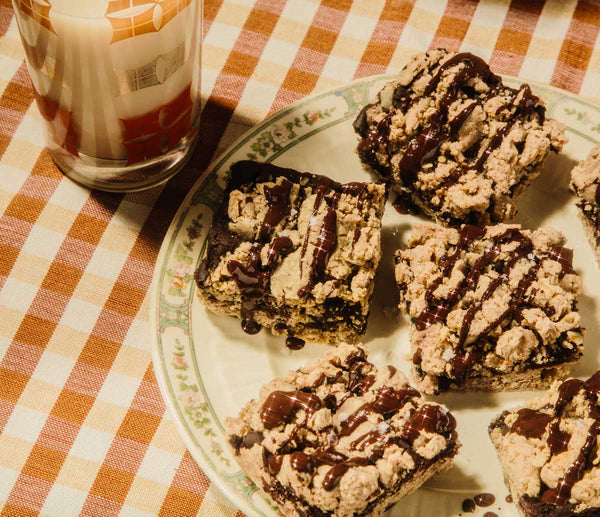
(455, 141)
(491, 308)
(294, 252)
(341, 438)
(550, 451)
(585, 184)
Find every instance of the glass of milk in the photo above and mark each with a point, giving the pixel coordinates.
(117, 83)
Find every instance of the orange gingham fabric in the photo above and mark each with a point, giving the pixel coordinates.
(83, 428)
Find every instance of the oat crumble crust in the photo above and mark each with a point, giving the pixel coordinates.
(454, 140)
(341, 438)
(491, 308)
(549, 450)
(294, 252)
(585, 185)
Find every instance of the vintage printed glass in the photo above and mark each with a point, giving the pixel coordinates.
(118, 85)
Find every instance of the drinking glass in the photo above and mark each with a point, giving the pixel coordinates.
(117, 83)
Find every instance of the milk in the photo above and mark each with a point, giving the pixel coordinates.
(115, 80)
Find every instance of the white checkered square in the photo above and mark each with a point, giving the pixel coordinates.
(118, 389)
(106, 263)
(17, 295)
(537, 69)
(8, 477)
(12, 178)
(300, 11)
(138, 335)
(279, 52)
(553, 23)
(80, 315)
(414, 38)
(131, 214)
(339, 69)
(221, 35)
(70, 195)
(484, 53)
(490, 14)
(53, 369)
(159, 465)
(25, 424)
(209, 78)
(31, 129)
(130, 511)
(589, 88)
(258, 95)
(4, 344)
(91, 444)
(63, 501)
(43, 242)
(358, 27)
(8, 69)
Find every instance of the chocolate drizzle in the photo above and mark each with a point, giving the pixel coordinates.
(294, 343)
(458, 91)
(280, 247)
(437, 310)
(564, 256)
(534, 423)
(430, 418)
(253, 275)
(426, 145)
(484, 500)
(326, 242)
(404, 205)
(280, 406)
(305, 457)
(252, 282)
(525, 104)
(253, 279)
(468, 506)
(531, 423)
(474, 64)
(278, 200)
(375, 138)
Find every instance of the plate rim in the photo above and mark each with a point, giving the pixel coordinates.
(197, 453)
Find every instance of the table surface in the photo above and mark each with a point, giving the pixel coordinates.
(83, 427)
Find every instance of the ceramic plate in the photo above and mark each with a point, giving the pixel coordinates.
(208, 367)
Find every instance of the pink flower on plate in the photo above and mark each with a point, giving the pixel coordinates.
(182, 269)
(190, 398)
(280, 135)
(179, 361)
(313, 116)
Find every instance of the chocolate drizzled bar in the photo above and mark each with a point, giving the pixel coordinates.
(492, 308)
(341, 438)
(550, 451)
(585, 184)
(454, 141)
(294, 252)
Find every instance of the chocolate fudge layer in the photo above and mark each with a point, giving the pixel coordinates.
(454, 140)
(492, 308)
(341, 438)
(550, 451)
(295, 252)
(585, 184)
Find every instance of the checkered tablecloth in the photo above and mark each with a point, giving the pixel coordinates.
(83, 428)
